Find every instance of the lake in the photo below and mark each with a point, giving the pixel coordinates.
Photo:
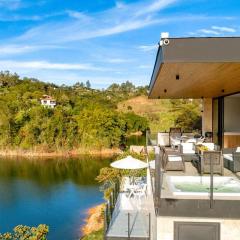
(56, 192)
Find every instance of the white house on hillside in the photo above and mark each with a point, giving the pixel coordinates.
(48, 101)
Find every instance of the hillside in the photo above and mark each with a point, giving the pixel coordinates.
(163, 114)
(82, 118)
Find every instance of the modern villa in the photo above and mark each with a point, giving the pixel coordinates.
(207, 69)
(193, 187)
(48, 101)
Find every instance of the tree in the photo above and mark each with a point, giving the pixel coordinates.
(25, 232)
(88, 84)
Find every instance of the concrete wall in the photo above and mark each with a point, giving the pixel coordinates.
(207, 115)
(232, 114)
(229, 228)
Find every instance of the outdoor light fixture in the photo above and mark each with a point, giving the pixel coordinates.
(177, 77)
(223, 90)
(165, 90)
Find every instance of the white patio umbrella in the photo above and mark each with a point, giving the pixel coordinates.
(129, 163)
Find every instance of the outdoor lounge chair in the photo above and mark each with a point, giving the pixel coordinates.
(188, 151)
(205, 160)
(232, 159)
(173, 161)
(175, 142)
(175, 137)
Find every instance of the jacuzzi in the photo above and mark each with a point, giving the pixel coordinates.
(200, 186)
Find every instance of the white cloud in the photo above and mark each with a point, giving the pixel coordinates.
(14, 17)
(154, 6)
(10, 65)
(78, 15)
(16, 4)
(145, 66)
(117, 60)
(224, 29)
(122, 18)
(148, 48)
(214, 30)
(70, 78)
(208, 31)
(120, 4)
(10, 4)
(19, 49)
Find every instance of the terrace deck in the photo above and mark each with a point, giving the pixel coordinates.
(139, 219)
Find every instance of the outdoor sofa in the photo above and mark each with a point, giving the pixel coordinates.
(204, 163)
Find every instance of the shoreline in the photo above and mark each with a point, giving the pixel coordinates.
(94, 220)
(62, 153)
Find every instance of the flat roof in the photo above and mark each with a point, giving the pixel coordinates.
(196, 68)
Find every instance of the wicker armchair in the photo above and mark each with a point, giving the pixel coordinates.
(173, 161)
(205, 162)
(232, 159)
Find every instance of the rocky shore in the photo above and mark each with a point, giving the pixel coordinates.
(94, 221)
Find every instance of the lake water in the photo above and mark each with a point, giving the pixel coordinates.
(56, 192)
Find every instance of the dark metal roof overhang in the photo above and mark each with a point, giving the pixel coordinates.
(196, 68)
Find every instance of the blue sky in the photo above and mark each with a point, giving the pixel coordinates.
(104, 41)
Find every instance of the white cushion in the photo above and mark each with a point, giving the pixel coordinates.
(191, 140)
(174, 158)
(188, 148)
(210, 146)
(175, 142)
(200, 141)
(228, 156)
(238, 149)
(188, 151)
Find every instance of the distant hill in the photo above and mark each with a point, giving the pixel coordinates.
(165, 113)
(82, 118)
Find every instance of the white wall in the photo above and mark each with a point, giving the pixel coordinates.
(232, 114)
(230, 228)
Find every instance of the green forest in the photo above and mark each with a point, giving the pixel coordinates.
(83, 117)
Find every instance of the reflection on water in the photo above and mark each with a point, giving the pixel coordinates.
(56, 192)
(136, 140)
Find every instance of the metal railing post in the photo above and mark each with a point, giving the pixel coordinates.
(149, 223)
(105, 228)
(108, 212)
(157, 179)
(147, 134)
(111, 203)
(211, 181)
(114, 194)
(129, 226)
